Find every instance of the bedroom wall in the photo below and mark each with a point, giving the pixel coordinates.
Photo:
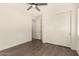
(77, 42)
(15, 25)
(52, 9)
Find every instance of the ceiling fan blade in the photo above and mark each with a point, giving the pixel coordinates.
(29, 8)
(37, 8)
(41, 4)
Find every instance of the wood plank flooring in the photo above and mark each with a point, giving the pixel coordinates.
(37, 48)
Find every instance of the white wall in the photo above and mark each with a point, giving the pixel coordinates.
(77, 45)
(15, 25)
(77, 41)
(52, 9)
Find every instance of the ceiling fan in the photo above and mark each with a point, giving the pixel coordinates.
(35, 5)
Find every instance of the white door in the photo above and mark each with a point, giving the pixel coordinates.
(36, 28)
(59, 29)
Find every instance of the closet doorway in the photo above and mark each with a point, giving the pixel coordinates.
(37, 28)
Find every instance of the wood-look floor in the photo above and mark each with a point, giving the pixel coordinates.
(37, 48)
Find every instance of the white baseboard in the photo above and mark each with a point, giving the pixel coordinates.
(13, 45)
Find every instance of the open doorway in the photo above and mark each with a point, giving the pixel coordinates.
(37, 28)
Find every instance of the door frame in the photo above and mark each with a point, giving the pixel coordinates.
(41, 36)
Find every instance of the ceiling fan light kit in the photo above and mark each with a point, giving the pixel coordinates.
(35, 5)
